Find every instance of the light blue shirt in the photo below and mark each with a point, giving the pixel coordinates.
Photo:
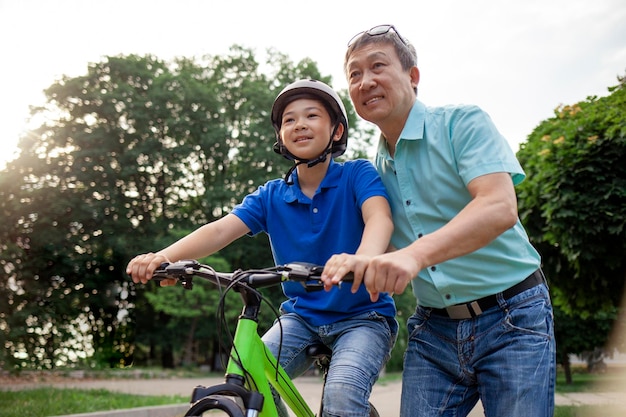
(440, 150)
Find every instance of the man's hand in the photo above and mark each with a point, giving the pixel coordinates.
(391, 272)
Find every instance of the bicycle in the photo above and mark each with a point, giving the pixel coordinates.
(251, 367)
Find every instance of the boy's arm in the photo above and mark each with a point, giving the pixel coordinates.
(375, 241)
(378, 226)
(202, 242)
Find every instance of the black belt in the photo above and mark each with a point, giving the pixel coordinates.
(477, 307)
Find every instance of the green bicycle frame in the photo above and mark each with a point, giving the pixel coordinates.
(262, 369)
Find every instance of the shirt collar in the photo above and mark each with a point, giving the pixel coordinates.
(331, 179)
(413, 128)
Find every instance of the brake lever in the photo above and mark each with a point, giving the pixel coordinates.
(181, 270)
(301, 271)
(310, 275)
(307, 274)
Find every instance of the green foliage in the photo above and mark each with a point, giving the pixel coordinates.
(126, 154)
(405, 306)
(577, 335)
(573, 202)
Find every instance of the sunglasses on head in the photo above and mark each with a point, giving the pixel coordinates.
(376, 31)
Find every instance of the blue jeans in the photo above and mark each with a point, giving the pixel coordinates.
(505, 357)
(361, 346)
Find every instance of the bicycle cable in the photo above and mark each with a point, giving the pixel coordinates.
(223, 328)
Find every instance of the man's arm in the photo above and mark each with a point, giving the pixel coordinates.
(492, 210)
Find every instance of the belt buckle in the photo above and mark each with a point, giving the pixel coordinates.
(464, 311)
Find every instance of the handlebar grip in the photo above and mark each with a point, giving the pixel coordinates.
(160, 273)
(349, 277)
(264, 279)
(303, 270)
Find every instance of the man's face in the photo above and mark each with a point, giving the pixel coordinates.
(379, 88)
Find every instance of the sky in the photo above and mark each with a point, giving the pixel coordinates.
(518, 60)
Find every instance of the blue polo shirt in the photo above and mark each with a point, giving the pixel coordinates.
(312, 230)
(440, 150)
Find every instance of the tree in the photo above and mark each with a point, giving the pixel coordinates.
(573, 202)
(573, 205)
(126, 156)
(579, 336)
(190, 306)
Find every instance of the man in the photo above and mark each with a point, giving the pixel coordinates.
(483, 327)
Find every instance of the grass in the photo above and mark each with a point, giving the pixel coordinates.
(46, 402)
(588, 411)
(43, 402)
(583, 381)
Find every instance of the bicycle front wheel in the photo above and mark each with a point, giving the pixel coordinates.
(216, 405)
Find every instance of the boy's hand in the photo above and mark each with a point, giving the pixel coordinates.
(338, 266)
(141, 268)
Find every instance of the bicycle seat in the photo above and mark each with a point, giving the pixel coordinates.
(318, 350)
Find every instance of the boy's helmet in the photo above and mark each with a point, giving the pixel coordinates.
(316, 90)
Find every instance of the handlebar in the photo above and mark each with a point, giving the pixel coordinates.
(308, 274)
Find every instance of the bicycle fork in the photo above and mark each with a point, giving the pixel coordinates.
(250, 370)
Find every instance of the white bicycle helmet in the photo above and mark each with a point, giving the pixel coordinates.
(314, 89)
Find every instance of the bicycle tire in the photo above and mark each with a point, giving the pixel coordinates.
(373, 411)
(218, 403)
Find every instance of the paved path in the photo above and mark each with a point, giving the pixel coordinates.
(385, 396)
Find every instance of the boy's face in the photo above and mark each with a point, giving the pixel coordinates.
(306, 128)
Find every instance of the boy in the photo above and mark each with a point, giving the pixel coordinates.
(322, 208)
